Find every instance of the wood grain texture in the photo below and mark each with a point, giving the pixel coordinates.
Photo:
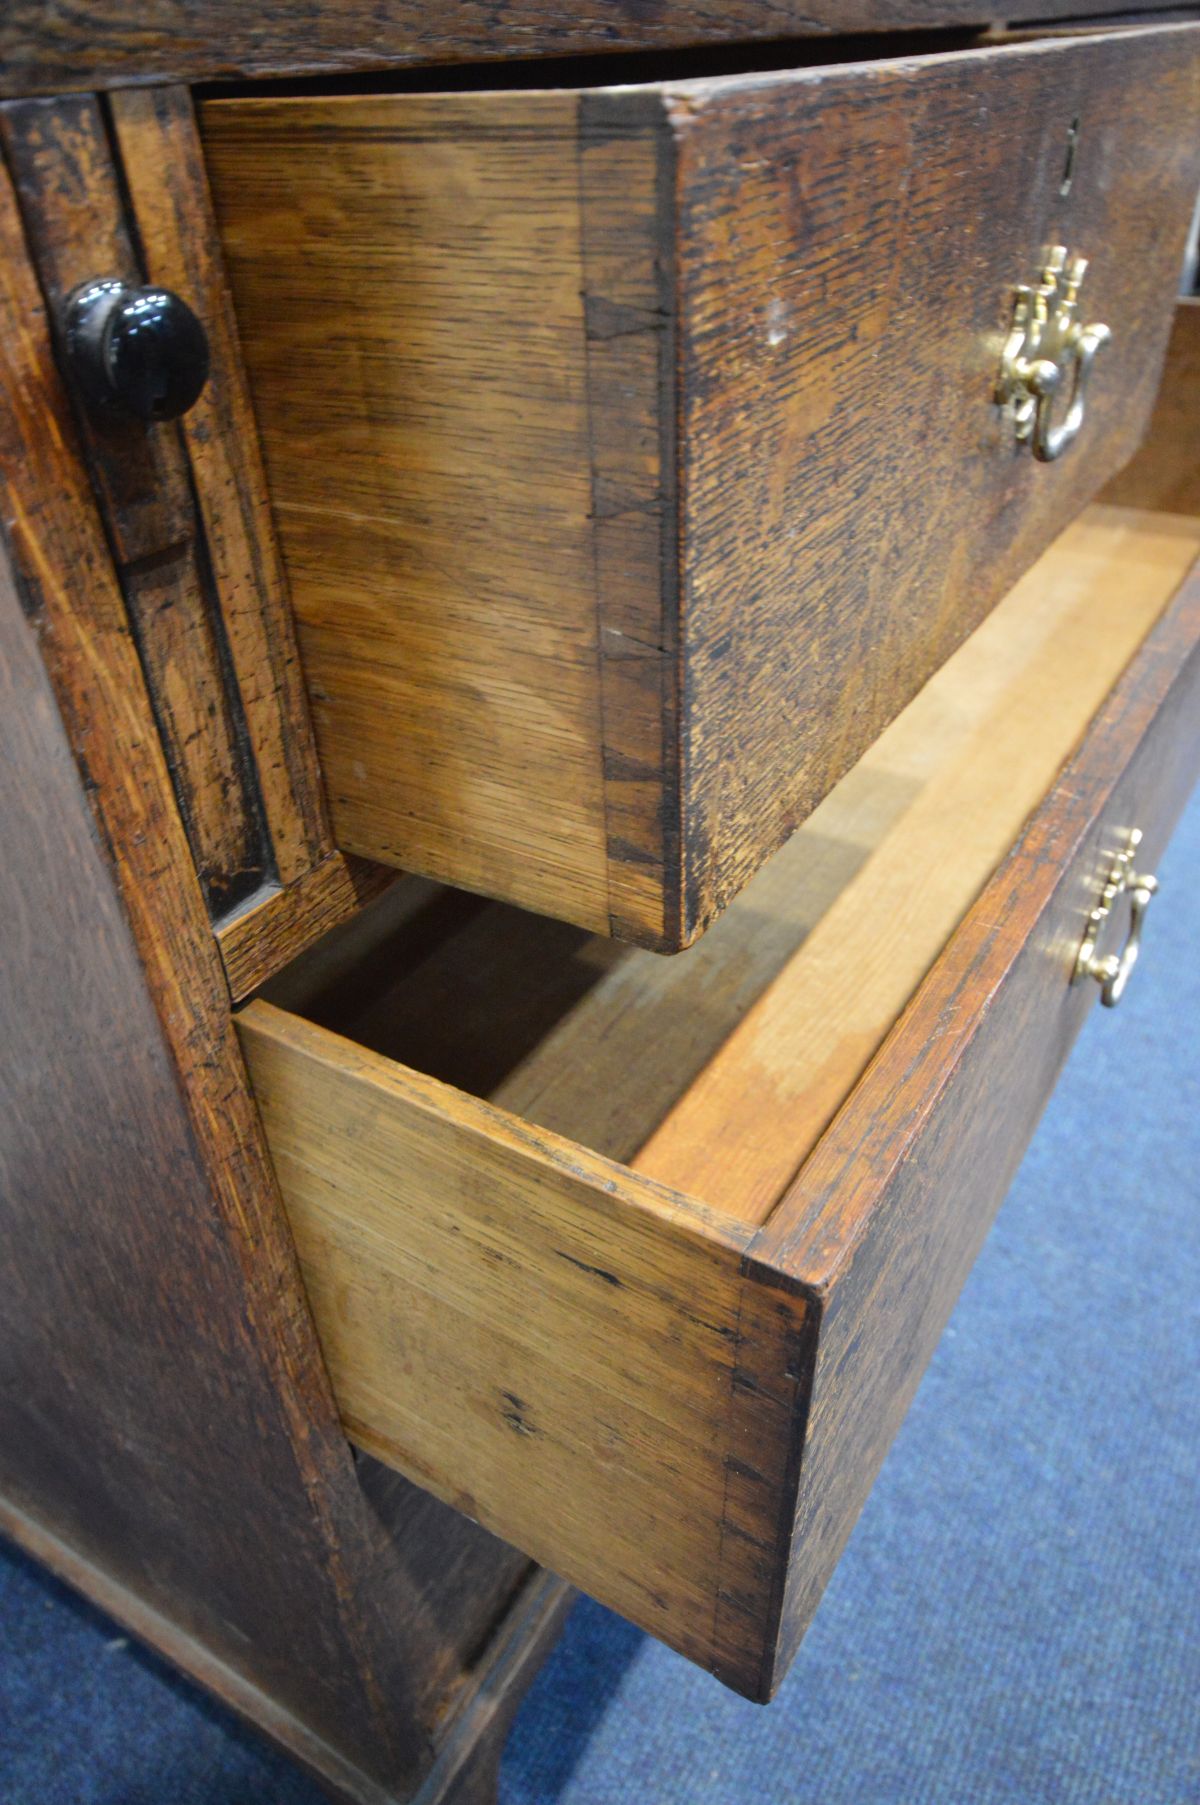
(884, 1221)
(467, 1769)
(559, 1343)
(848, 243)
(164, 170)
(625, 208)
(745, 482)
(1165, 472)
(441, 567)
(174, 1640)
(195, 40)
(69, 189)
(140, 1430)
(422, 1216)
(166, 1387)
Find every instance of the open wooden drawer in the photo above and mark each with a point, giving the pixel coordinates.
(637, 453)
(639, 1261)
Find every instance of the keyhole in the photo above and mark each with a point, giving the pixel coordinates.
(1068, 174)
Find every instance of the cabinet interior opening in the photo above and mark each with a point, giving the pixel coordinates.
(717, 1070)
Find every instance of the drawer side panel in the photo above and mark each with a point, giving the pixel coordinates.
(564, 1351)
(407, 274)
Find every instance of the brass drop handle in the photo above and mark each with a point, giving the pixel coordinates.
(1049, 353)
(1112, 971)
(1049, 441)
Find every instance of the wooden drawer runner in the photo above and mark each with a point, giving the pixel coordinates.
(635, 452)
(638, 1260)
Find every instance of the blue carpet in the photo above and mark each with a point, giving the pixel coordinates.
(1017, 1618)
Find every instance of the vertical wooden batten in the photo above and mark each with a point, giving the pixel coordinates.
(74, 216)
(163, 167)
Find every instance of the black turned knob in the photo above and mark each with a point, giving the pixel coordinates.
(137, 352)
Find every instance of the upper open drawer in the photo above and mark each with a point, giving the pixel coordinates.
(637, 452)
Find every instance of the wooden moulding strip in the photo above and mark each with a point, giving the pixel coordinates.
(282, 922)
(164, 169)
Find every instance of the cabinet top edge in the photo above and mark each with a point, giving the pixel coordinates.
(50, 51)
(659, 102)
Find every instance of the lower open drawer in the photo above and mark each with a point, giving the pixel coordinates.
(638, 1260)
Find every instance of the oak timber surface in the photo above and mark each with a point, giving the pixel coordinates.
(613, 1373)
(974, 754)
(845, 268)
(186, 510)
(449, 646)
(163, 169)
(310, 884)
(277, 926)
(635, 452)
(446, 1246)
(192, 40)
(147, 1415)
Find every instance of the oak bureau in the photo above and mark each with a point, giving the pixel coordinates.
(591, 696)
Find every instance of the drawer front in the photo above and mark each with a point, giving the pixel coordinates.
(887, 1217)
(636, 453)
(855, 500)
(677, 1410)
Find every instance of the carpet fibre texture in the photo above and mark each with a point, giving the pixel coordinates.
(1017, 1618)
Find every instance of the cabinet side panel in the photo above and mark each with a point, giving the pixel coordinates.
(131, 1390)
(166, 1416)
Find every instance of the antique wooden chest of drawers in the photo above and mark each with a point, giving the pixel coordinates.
(675, 520)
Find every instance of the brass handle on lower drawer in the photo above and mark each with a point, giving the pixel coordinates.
(1049, 353)
(1112, 971)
